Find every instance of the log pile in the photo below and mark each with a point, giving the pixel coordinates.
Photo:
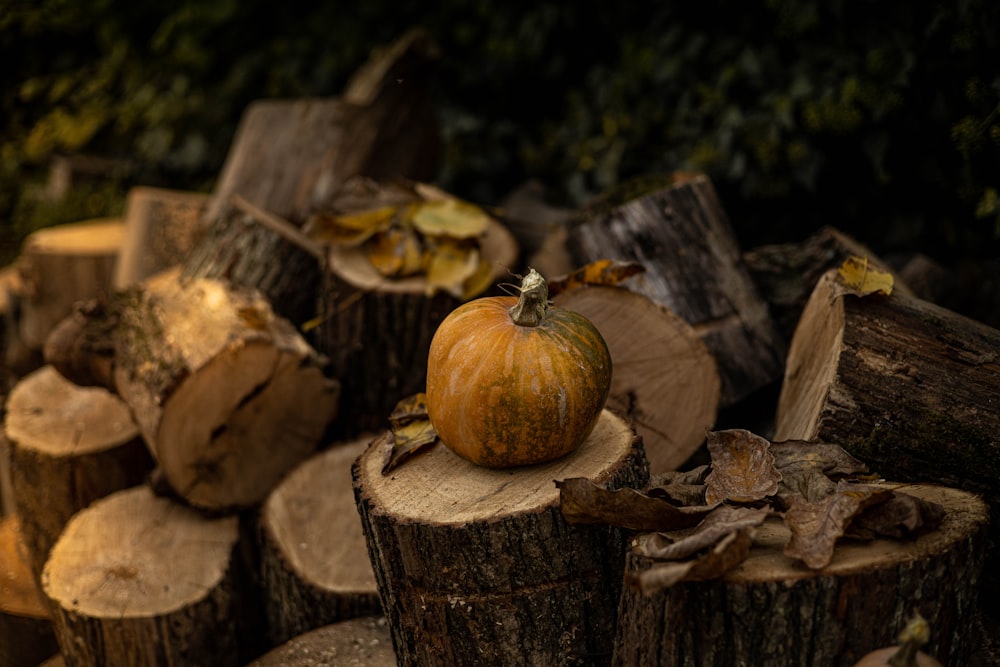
(197, 466)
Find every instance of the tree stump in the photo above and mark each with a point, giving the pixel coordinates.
(771, 610)
(314, 563)
(681, 234)
(665, 380)
(161, 228)
(228, 396)
(69, 446)
(62, 265)
(26, 634)
(906, 386)
(138, 579)
(477, 565)
(377, 332)
(361, 641)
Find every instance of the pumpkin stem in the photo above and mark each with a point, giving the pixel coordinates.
(914, 635)
(533, 302)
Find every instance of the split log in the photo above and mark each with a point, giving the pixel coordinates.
(360, 641)
(315, 568)
(138, 579)
(289, 156)
(477, 566)
(228, 396)
(786, 273)
(681, 234)
(62, 265)
(26, 634)
(665, 380)
(69, 446)
(377, 331)
(18, 358)
(906, 386)
(161, 228)
(771, 610)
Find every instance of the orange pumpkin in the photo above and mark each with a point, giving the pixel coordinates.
(513, 381)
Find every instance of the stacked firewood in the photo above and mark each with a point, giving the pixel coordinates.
(195, 448)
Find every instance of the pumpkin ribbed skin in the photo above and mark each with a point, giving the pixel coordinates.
(501, 394)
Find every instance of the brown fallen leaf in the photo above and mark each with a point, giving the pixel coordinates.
(742, 467)
(717, 524)
(680, 488)
(830, 459)
(901, 517)
(816, 526)
(410, 432)
(584, 502)
(606, 272)
(726, 554)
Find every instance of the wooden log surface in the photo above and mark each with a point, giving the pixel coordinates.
(364, 642)
(664, 380)
(69, 446)
(683, 237)
(26, 634)
(771, 610)
(61, 265)
(162, 227)
(477, 565)
(315, 569)
(227, 395)
(137, 579)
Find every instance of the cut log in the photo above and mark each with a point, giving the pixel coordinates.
(771, 610)
(361, 641)
(681, 234)
(137, 579)
(665, 380)
(26, 634)
(228, 396)
(314, 564)
(786, 273)
(289, 156)
(161, 228)
(18, 358)
(377, 331)
(69, 446)
(61, 265)
(477, 566)
(906, 386)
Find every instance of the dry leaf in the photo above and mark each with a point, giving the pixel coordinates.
(410, 432)
(396, 253)
(584, 502)
(607, 272)
(816, 526)
(902, 517)
(449, 217)
(349, 230)
(729, 552)
(858, 277)
(451, 265)
(717, 524)
(799, 455)
(742, 467)
(680, 488)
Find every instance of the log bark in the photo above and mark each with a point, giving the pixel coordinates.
(289, 156)
(908, 387)
(786, 273)
(377, 332)
(69, 446)
(26, 634)
(665, 380)
(314, 563)
(228, 396)
(478, 566)
(138, 579)
(773, 611)
(161, 228)
(360, 641)
(61, 265)
(683, 237)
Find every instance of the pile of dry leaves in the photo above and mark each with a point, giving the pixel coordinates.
(699, 524)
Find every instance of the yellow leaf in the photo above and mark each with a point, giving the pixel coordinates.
(349, 230)
(396, 253)
(479, 281)
(449, 217)
(606, 272)
(859, 277)
(450, 266)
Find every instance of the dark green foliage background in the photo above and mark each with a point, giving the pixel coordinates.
(882, 118)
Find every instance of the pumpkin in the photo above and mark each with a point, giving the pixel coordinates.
(512, 381)
(908, 653)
